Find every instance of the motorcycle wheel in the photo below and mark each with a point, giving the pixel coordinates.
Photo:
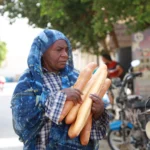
(117, 142)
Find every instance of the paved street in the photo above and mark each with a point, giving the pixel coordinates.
(8, 139)
(104, 145)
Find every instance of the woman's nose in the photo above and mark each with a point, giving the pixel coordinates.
(64, 53)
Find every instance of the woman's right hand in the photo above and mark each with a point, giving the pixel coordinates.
(73, 95)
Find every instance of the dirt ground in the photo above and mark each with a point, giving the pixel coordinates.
(104, 145)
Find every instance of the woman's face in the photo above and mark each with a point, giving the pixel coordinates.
(55, 58)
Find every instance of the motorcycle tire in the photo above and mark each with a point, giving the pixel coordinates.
(116, 142)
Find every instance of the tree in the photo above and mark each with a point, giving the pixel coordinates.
(85, 22)
(1, 2)
(3, 51)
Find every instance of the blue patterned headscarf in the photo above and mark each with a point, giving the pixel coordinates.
(39, 46)
(29, 95)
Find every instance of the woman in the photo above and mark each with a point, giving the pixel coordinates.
(40, 95)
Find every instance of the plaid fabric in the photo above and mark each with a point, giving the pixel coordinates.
(54, 106)
(99, 127)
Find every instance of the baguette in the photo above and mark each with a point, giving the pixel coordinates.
(86, 131)
(105, 87)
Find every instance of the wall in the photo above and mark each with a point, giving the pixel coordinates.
(141, 51)
(82, 59)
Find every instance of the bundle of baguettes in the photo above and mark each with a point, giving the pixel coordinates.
(79, 115)
(98, 80)
(84, 76)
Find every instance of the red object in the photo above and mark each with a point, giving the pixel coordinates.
(112, 69)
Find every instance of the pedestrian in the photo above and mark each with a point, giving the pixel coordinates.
(40, 95)
(115, 70)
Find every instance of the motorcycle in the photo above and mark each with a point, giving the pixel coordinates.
(127, 131)
(113, 91)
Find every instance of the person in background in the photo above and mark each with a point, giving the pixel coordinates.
(41, 93)
(115, 73)
(114, 68)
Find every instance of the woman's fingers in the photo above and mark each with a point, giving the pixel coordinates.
(97, 106)
(95, 98)
(73, 95)
(93, 109)
(78, 95)
(78, 91)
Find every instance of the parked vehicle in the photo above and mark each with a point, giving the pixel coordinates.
(114, 90)
(128, 131)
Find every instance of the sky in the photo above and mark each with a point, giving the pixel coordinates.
(18, 37)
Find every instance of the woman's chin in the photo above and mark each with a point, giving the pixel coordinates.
(62, 66)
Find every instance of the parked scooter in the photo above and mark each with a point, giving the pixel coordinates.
(127, 131)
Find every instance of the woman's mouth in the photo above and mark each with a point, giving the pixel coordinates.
(63, 62)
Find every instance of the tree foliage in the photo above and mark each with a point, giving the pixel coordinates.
(85, 22)
(3, 51)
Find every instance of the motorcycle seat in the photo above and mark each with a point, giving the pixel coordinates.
(141, 104)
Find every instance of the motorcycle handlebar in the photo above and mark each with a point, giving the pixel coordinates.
(137, 74)
(131, 76)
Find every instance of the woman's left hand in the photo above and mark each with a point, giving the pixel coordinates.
(97, 106)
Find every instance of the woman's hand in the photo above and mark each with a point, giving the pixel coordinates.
(73, 95)
(97, 106)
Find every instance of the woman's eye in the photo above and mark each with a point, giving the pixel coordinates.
(59, 49)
